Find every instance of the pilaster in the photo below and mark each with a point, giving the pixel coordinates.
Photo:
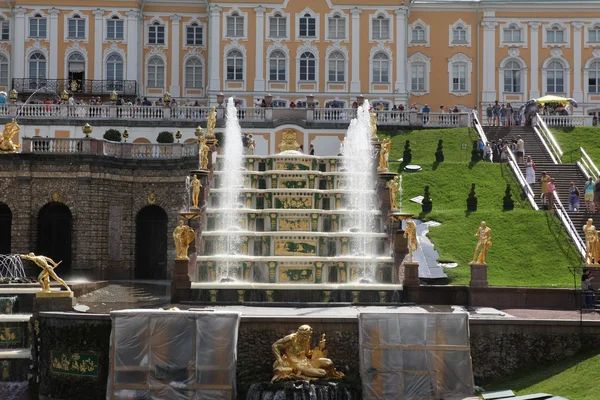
(577, 45)
(19, 42)
(259, 72)
(534, 56)
(355, 82)
(132, 46)
(401, 94)
(175, 88)
(214, 53)
(489, 60)
(98, 14)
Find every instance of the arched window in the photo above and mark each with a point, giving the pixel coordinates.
(277, 62)
(307, 66)
(194, 34)
(555, 78)
(418, 34)
(156, 73)
(37, 66)
(555, 35)
(235, 66)
(337, 27)
(235, 25)
(277, 26)
(594, 77)
(114, 28)
(37, 26)
(308, 26)
(156, 33)
(512, 34)
(417, 77)
(76, 27)
(3, 71)
(76, 57)
(381, 67)
(381, 28)
(594, 34)
(512, 77)
(114, 68)
(459, 34)
(193, 73)
(337, 64)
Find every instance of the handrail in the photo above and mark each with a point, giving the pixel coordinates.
(568, 224)
(479, 128)
(512, 162)
(589, 164)
(545, 144)
(553, 143)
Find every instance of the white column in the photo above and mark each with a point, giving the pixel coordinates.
(355, 56)
(400, 92)
(175, 88)
(489, 61)
(98, 56)
(19, 43)
(534, 33)
(214, 50)
(132, 46)
(53, 31)
(259, 70)
(577, 45)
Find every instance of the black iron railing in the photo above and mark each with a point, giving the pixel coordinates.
(81, 86)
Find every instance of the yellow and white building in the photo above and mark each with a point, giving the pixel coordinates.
(436, 52)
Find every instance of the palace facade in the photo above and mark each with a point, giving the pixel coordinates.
(436, 52)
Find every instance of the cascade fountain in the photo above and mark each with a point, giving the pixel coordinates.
(231, 185)
(358, 160)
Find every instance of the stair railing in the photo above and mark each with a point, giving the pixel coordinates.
(561, 213)
(551, 145)
(512, 162)
(479, 128)
(587, 165)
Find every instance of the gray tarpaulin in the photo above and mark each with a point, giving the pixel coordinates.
(171, 355)
(424, 356)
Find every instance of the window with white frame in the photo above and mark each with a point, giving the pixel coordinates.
(37, 26)
(277, 66)
(417, 77)
(235, 66)
(459, 35)
(418, 34)
(459, 77)
(512, 34)
(308, 26)
(76, 27)
(381, 28)
(115, 28)
(512, 77)
(308, 66)
(555, 78)
(114, 68)
(4, 29)
(555, 35)
(156, 73)
(277, 26)
(381, 68)
(235, 25)
(594, 34)
(3, 71)
(194, 34)
(337, 67)
(156, 33)
(337, 27)
(193, 73)
(594, 77)
(37, 66)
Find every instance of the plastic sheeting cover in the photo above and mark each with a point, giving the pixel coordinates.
(424, 356)
(171, 355)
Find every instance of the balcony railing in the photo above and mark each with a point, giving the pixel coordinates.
(80, 86)
(148, 151)
(568, 120)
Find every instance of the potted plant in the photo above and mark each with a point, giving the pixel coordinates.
(508, 202)
(165, 137)
(439, 153)
(407, 154)
(472, 199)
(113, 135)
(426, 203)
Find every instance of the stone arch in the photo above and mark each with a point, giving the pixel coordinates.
(141, 140)
(151, 224)
(54, 234)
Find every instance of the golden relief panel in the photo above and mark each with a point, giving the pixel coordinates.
(296, 274)
(291, 183)
(293, 202)
(293, 166)
(295, 248)
(294, 224)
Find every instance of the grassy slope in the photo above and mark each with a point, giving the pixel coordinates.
(576, 378)
(529, 248)
(571, 139)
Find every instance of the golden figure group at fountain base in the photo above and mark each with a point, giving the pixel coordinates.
(183, 236)
(394, 187)
(384, 154)
(6, 143)
(47, 265)
(484, 233)
(592, 245)
(298, 361)
(410, 233)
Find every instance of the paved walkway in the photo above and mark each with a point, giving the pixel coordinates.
(553, 314)
(119, 295)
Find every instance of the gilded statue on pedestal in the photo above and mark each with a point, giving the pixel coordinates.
(295, 360)
(47, 265)
(211, 122)
(289, 141)
(6, 143)
(204, 149)
(196, 185)
(485, 242)
(394, 186)
(591, 242)
(384, 154)
(373, 124)
(183, 236)
(410, 233)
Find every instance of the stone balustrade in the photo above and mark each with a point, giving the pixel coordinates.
(567, 120)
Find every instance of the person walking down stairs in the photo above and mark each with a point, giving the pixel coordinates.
(590, 206)
(530, 171)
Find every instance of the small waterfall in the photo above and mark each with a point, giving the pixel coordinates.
(187, 197)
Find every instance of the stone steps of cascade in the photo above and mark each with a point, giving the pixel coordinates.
(296, 233)
(290, 172)
(308, 258)
(287, 192)
(303, 211)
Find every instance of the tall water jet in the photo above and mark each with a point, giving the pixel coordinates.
(361, 183)
(231, 185)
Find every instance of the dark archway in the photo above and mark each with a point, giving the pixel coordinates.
(54, 235)
(5, 228)
(151, 243)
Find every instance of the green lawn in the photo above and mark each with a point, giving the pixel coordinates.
(571, 139)
(576, 378)
(530, 248)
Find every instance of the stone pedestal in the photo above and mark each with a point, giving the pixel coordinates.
(411, 274)
(478, 275)
(383, 193)
(53, 301)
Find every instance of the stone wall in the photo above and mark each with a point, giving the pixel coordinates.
(103, 194)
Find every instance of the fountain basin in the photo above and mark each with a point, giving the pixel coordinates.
(302, 390)
(241, 285)
(311, 259)
(297, 233)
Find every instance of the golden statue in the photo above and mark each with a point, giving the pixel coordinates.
(183, 236)
(384, 154)
(591, 242)
(298, 361)
(373, 124)
(410, 233)
(251, 145)
(6, 143)
(211, 122)
(394, 186)
(47, 271)
(288, 141)
(196, 185)
(485, 242)
(204, 149)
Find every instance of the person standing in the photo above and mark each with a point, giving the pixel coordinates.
(597, 193)
(312, 149)
(590, 206)
(520, 149)
(503, 115)
(544, 180)
(588, 290)
(490, 114)
(487, 152)
(573, 197)
(551, 187)
(496, 112)
(530, 171)
(509, 114)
